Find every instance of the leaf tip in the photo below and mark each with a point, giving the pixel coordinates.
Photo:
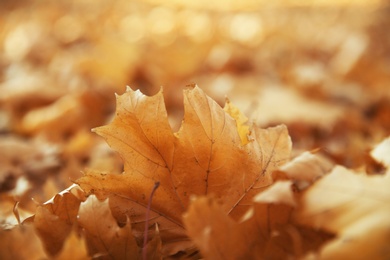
(96, 130)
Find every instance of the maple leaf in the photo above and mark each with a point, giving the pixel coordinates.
(304, 169)
(206, 156)
(356, 208)
(103, 235)
(54, 219)
(10, 213)
(20, 242)
(267, 231)
(74, 248)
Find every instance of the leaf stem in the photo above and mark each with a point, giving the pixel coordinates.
(144, 249)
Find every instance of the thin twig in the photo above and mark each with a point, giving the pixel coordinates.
(144, 249)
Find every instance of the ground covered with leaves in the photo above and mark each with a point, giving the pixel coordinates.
(269, 138)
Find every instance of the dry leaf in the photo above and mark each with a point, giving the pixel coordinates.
(74, 248)
(65, 116)
(356, 208)
(213, 232)
(205, 157)
(326, 77)
(103, 235)
(33, 160)
(381, 152)
(280, 193)
(20, 242)
(10, 213)
(300, 108)
(304, 169)
(267, 231)
(54, 219)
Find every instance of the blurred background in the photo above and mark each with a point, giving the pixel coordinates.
(320, 67)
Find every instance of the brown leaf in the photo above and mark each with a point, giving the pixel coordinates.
(205, 157)
(104, 237)
(10, 213)
(19, 157)
(54, 219)
(20, 242)
(64, 117)
(267, 231)
(304, 169)
(356, 207)
(280, 193)
(74, 248)
(300, 108)
(213, 232)
(381, 152)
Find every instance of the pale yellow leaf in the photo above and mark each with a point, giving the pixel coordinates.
(356, 208)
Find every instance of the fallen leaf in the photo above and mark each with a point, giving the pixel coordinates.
(206, 156)
(326, 77)
(74, 248)
(20, 242)
(304, 169)
(300, 108)
(267, 231)
(104, 237)
(381, 152)
(280, 193)
(213, 232)
(66, 116)
(54, 219)
(10, 214)
(18, 158)
(356, 208)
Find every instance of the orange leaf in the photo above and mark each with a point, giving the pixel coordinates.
(267, 231)
(381, 152)
(21, 242)
(54, 219)
(74, 248)
(103, 235)
(205, 157)
(304, 169)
